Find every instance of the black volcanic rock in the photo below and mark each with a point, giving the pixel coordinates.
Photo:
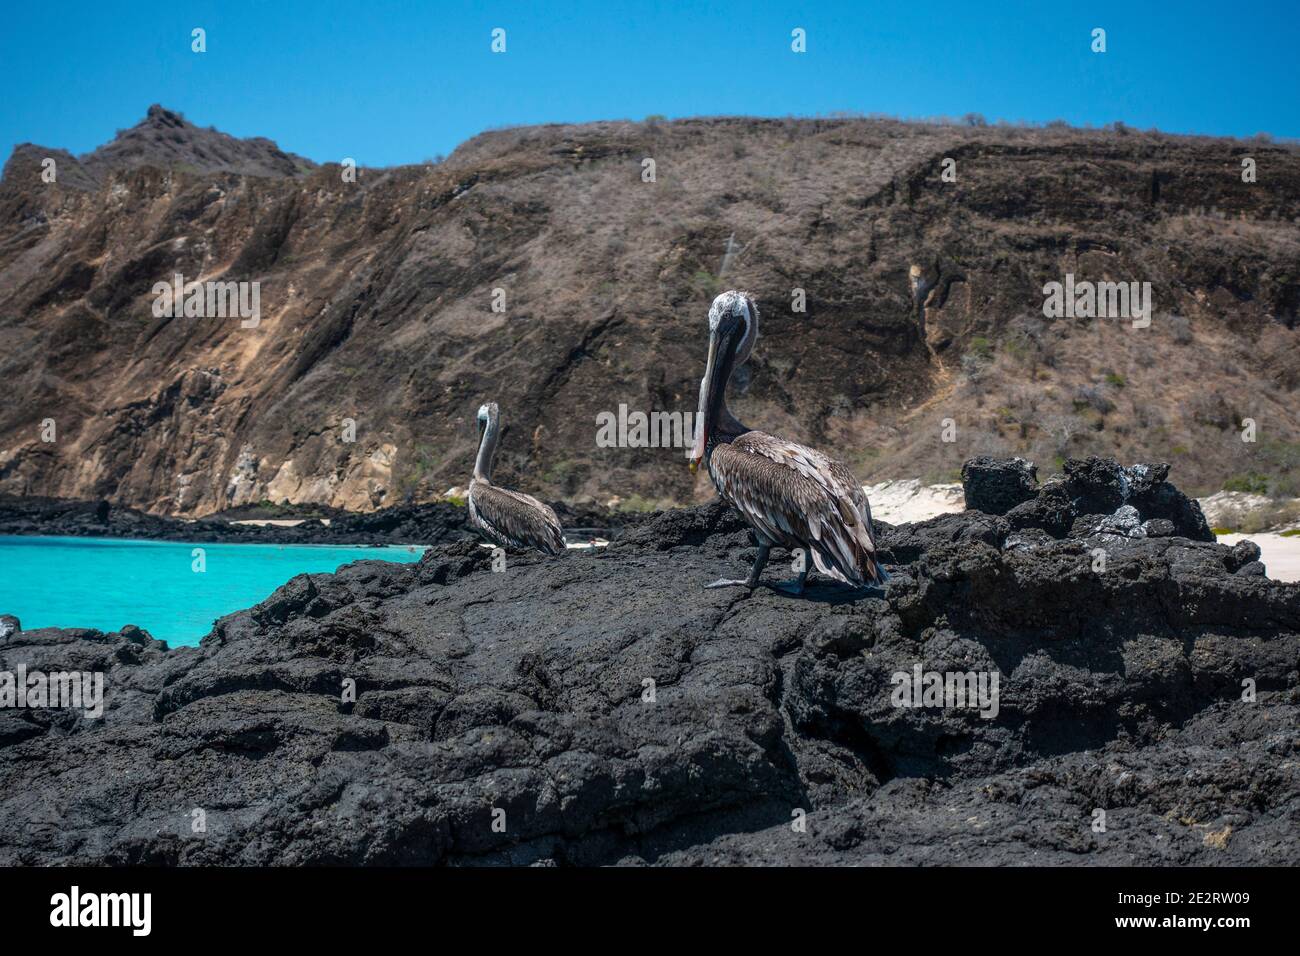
(1052, 511)
(1094, 496)
(1159, 528)
(1242, 554)
(401, 524)
(996, 485)
(905, 543)
(615, 711)
(1156, 498)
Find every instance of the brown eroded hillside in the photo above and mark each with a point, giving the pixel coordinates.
(377, 306)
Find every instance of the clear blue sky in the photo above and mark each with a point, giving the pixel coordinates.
(388, 82)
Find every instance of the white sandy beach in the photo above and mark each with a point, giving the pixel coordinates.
(904, 500)
(278, 522)
(1281, 556)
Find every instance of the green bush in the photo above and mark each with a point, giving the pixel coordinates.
(1251, 483)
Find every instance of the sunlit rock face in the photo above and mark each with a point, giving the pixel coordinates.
(921, 301)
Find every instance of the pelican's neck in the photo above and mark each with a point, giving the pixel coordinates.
(721, 424)
(487, 450)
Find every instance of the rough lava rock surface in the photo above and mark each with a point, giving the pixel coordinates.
(1075, 503)
(996, 485)
(526, 691)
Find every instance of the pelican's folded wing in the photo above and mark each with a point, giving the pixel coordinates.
(518, 520)
(788, 490)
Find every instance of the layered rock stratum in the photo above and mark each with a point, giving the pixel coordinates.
(924, 305)
(604, 708)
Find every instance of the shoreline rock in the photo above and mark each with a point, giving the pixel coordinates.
(526, 692)
(429, 523)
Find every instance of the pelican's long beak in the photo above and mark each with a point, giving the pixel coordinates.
(707, 384)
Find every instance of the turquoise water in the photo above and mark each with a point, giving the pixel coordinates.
(108, 582)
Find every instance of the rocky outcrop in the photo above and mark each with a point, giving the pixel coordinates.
(604, 708)
(164, 139)
(1094, 496)
(996, 485)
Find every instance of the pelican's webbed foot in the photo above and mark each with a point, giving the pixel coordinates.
(751, 582)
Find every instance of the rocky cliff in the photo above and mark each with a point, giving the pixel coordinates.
(539, 267)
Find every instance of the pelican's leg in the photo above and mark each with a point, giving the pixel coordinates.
(752, 581)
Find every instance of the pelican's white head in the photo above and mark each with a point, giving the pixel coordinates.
(735, 310)
(487, 417)
(733, 329)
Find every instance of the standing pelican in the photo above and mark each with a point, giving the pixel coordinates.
(507, 518)
(791, 495)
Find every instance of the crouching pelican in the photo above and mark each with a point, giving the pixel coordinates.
(507, 518)
(792, 496)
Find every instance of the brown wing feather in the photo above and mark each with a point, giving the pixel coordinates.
(797, 497)
(513, 519)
